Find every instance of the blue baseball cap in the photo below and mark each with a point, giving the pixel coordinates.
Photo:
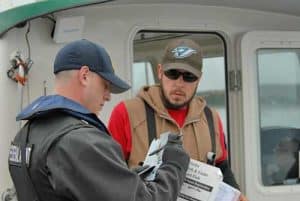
(86, 53)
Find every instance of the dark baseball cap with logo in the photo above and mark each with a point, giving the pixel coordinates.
(86, 53)
(183, 54)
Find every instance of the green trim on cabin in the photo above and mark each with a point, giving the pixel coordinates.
(12, 17)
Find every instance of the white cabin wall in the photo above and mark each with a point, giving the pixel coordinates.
(114, 27)
(42, 50)
(8, 105)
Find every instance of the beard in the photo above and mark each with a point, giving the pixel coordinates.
(169, 105)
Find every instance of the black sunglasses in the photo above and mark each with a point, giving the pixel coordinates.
(175, 74)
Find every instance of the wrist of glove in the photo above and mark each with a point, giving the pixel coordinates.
(174, 152)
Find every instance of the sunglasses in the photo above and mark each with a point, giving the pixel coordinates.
(175, 74)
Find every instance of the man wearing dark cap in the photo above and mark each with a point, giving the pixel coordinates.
(172, 106)
(64, 151)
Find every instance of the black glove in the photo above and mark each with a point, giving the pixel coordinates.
(174, 152)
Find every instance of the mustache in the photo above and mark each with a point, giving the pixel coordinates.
(177, 91)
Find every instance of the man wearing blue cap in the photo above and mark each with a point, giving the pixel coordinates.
(64, 151)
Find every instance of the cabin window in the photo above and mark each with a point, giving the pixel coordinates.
(279, 103)
(143, 75)
(148, 49)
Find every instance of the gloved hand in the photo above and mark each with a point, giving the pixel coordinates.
(174, 152)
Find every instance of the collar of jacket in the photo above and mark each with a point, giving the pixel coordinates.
(152, 95)
(46, 104)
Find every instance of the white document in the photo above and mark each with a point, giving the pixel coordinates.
(227, 193)
(156, 159)
(201, 182)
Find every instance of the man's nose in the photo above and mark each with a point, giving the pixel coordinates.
(180, 80)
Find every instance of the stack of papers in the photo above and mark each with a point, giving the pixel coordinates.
(201, 182)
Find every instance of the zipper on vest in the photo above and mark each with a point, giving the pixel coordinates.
(190, 122)
(167, 117)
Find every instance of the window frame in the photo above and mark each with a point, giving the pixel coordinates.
(250, 43)
(222, 38)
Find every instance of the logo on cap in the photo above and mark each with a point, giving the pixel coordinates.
(183, 52)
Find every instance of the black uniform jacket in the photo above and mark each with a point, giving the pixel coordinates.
(74, 158)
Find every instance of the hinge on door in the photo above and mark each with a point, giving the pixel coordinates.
(235, 81)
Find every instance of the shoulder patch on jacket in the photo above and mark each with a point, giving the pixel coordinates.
(15, 156)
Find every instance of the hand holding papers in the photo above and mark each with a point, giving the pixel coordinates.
(203, 182)
(161, 147)
(154, 155)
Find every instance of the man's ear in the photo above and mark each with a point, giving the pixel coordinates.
(83, 74)
(159, 71)
(200, 77)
